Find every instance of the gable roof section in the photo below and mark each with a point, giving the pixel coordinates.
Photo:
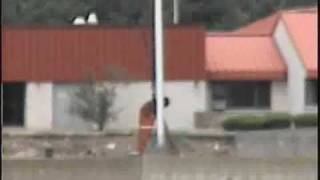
(250, 53)
(70, 54)
(243, 58)
(303, 30)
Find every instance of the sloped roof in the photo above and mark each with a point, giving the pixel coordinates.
(303, 30)
(250, 52)
(243, 58)
(70, 54)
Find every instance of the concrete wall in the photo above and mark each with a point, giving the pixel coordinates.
(296, 70)
(279, 96)
(38, 109)
(186, 99)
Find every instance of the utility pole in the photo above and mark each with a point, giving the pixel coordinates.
(176, 11)
(159, 75)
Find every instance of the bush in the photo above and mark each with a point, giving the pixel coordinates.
(306, 120)
(277, 120)
(244, 122)
(269, 121)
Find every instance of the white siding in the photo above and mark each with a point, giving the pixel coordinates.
(279, 96)
(186, 99)
(129, 100)
(296, 71)
(38, 107)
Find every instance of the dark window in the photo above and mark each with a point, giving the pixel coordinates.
(312, 92)
(242, 94)
(13, 104)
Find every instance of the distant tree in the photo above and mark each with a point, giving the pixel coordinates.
(94, 102)
(94, 99)
(214, 14)
(43, 12)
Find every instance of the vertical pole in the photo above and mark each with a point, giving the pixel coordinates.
(153, 60)
(159, 57)
(176, 11)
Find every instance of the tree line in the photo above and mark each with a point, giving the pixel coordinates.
(214, 14)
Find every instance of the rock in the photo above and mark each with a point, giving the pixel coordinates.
(111, 146)
(216, 146)
(94, 126)
(26, 154)
(48, 152)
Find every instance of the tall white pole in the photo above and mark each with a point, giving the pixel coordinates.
(159, 58)
(176, 11)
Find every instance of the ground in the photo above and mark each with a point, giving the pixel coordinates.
(200, 160)
(275, 143)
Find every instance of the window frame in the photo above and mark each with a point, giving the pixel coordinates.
(255, 102)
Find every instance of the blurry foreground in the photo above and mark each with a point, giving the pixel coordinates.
(257, 155)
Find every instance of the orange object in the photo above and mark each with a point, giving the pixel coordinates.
(146, 124)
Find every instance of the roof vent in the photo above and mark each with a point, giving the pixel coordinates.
(92, 19)
(79, 20)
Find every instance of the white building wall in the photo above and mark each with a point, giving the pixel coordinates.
(296, 70)
(279, 96)
(38, 109)
(186, 99)
(128, 103)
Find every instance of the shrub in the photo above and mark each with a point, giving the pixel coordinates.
(277, 120)
(244, 122)
(306, 120)
(269, 121)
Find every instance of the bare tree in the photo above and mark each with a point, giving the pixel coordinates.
(94, 100)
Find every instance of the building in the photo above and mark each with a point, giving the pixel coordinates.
(44, 65)
(268, 66)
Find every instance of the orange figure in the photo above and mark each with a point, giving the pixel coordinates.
(146, 124)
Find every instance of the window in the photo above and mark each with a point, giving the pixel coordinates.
(13, 104)
(242, 94)
(312, 92)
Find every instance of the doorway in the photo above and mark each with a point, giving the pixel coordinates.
(13, 104)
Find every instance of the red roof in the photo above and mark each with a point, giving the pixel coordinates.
(303, 29)
(250, 53)
(69, 54)
(243, 58)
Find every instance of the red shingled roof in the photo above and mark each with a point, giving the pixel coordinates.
(69, 54)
